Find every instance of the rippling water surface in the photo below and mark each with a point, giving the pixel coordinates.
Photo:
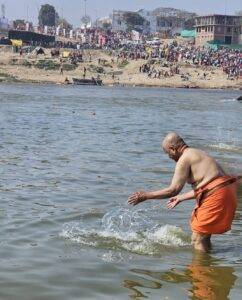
(70, 157)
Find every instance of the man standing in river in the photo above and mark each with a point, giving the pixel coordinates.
(214, 191)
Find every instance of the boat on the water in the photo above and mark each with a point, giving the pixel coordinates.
(83, 81)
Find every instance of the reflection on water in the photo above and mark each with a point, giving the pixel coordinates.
(143, 283)
(210, 281)
(206, 278)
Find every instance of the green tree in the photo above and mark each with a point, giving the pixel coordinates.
(47, 15)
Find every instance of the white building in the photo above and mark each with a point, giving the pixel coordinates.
(151, 25)
(167, 20)
(104, 21)
(118, 22)
(86, 22)
(4, 23)
(240, 36)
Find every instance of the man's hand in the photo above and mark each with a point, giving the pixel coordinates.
(137, 197)
(173, 202)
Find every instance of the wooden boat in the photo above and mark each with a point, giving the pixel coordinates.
(91, 81)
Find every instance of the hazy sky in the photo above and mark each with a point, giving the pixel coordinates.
(72, 10)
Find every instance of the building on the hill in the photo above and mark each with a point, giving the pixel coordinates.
(221, 29)
(166, 20)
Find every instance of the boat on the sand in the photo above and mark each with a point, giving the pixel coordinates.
(82, 81)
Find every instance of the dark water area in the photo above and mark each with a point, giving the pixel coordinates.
(69, 159)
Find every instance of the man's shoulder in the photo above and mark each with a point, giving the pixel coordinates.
(191, 153)
(195, 153)
(191, 150)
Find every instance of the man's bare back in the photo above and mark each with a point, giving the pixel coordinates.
(203, 168)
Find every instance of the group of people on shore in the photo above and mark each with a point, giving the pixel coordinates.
(163, 59)
(173, 55)
(153, 72)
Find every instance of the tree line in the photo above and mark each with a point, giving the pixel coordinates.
(48, 16)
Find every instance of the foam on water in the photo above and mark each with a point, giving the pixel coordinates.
(226, 147)
(126, 229)
(228, 100)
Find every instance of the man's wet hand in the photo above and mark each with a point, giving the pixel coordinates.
(173, 202)
(137, 197)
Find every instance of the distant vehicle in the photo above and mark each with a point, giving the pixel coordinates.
(153, 42)
(130, 42)
(137, 42)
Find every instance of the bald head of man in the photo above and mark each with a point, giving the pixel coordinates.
(173, 145)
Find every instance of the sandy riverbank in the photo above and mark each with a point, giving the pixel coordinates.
(44, 69)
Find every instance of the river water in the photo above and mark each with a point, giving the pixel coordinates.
(70, 157)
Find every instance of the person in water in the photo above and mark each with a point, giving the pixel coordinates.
(213, 189)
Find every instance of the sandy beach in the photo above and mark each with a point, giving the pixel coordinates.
(32, 68)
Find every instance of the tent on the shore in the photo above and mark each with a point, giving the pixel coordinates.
(188, 33)
(39, 50)
(65, 54)
(17, 43)
(215, 45)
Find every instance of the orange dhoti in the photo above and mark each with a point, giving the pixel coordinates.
(216, 206)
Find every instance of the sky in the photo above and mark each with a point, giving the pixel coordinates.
(72, 10)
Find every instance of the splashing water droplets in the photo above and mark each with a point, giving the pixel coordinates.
(126, 229)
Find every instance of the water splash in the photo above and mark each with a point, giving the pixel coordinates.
(126, 229)
(228, 100)
(225, 147)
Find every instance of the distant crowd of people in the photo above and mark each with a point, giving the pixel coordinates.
(173, 55)
(170, 55)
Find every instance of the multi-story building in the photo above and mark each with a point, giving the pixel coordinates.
(105, 22)
(118, 21)
(222, 29)
(172, 21)
(168, 20)
(151, 20)
(4, 23)
(170, 25)
(4, 26)
(240, 37)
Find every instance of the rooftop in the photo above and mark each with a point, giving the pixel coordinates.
(218, 15)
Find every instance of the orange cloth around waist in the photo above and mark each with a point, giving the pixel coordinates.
(214, 213)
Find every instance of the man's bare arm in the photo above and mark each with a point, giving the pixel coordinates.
(179, 179)
(187, 196)
(174, 201)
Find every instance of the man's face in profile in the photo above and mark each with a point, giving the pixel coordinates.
(172, 153)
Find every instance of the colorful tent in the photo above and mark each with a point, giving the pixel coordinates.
(65, 54)
(17, 43)
(188, 33)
